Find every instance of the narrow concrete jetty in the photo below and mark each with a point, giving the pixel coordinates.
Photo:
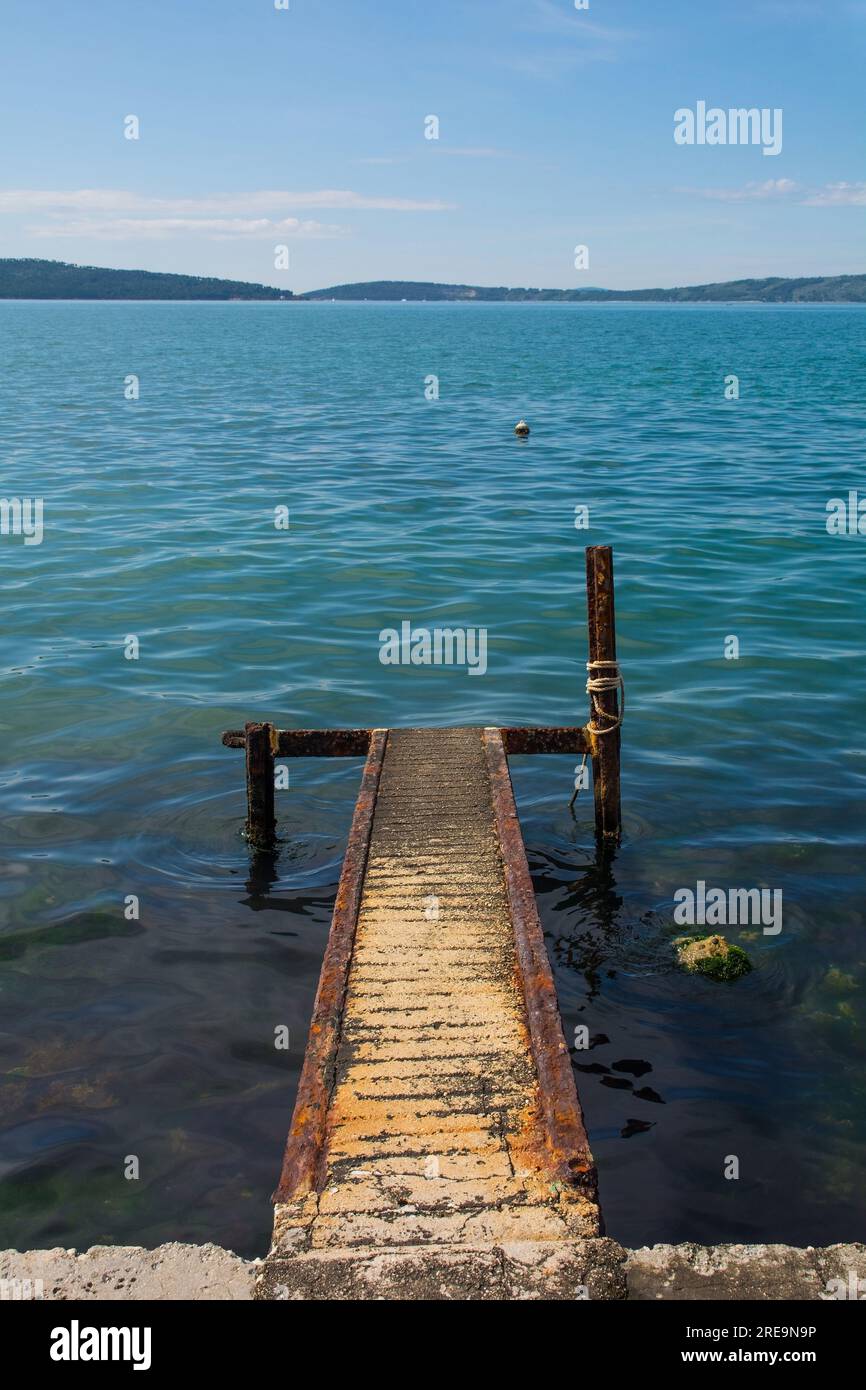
(437, 1147)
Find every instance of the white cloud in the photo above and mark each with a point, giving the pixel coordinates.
(559, 39)
(545, 17)
(433, 147)
(159, 228)
(472, 151)
(770, 188)
(838, 195)
(113, 214)
(218, 204)
(831, 195)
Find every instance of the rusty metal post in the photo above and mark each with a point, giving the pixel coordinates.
(603, 704)
(260, 785)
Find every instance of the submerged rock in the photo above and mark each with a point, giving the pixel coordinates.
(713, 956)
(840, 981)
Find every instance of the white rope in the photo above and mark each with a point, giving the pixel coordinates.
(596, 685)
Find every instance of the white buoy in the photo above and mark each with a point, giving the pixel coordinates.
(521, 428)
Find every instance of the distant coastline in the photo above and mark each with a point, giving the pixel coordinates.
(40, 279)
(833, 289)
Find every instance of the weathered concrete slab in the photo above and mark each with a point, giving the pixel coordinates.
(122, 1272)
(594, 1269)
(520, 1271)
(739, 1272)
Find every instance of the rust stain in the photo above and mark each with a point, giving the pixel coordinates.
(546, 740)
(304, 1149)
(566, 1132)
(436, 1102)
(354, 743)
(310, 743)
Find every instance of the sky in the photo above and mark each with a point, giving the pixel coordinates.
(307, 128)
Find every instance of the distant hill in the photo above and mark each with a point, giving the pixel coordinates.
(831, 289)
(33, 279)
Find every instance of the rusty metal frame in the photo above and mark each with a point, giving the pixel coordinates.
(566, 1132)
(302, 1169)
(310, 743)
(355, 743)
(570, 739)
(305, 1152)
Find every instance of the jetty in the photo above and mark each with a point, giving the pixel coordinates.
(437, 1147)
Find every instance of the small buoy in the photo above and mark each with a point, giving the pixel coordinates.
(521, 428)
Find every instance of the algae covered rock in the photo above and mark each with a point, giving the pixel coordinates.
(839, 982)
(713, 956)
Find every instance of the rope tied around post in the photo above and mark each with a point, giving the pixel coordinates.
(595, 685)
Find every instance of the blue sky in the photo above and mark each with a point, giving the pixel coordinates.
(306, 128)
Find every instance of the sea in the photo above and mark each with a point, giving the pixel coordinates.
(212, 511)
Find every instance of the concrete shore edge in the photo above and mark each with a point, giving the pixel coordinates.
(178, 1272)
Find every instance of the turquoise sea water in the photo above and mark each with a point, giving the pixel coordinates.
(155, 1037)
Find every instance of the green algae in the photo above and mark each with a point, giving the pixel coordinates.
(712, 956)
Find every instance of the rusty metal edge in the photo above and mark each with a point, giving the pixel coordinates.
(310, 743)
(303, 1160)
(541, 739)
(566, 1132)
(354, 743)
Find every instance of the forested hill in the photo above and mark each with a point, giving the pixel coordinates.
(836, 289)
(36, 279)
(32, 279)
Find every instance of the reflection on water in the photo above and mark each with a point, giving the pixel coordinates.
(153, 1034)
(747, 1069)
